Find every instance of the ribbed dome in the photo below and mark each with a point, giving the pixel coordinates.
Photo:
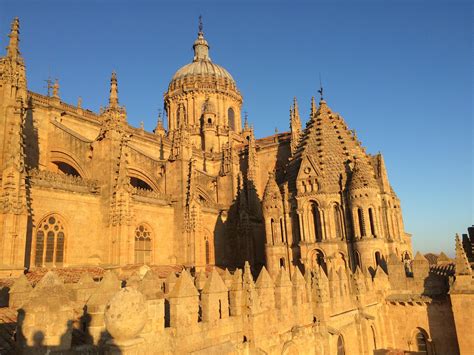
(202, 67)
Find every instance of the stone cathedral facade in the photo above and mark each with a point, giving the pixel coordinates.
(82, 190)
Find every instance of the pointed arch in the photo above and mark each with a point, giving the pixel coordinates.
(315, 211)
(338, 225)
(50, 241)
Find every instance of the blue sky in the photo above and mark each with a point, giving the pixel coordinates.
(400, 73)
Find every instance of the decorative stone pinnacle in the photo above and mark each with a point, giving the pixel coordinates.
(12, 49)
(113, 98)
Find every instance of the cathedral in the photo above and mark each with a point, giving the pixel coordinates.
(83, 190)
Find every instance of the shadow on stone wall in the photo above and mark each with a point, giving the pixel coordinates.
(75, 339)
(241, 236)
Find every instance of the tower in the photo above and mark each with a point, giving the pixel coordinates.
(13, 197)
(203, 99)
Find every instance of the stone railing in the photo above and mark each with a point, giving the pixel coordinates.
(53, 180)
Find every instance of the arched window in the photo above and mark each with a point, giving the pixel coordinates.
(142, 245)
(282, 231)
(140, 184)
(421, 344)
(316, 221)
(340, 346)
(231, 118)
(360, 215)
(337, 221)
(50, 239)
(66, 169)
(272, 227)
(282, 262)
(372, 222)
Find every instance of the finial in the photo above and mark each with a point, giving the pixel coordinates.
(113, 97)
(320, 88)
(142, 125)
(200, 26)
(56, 89)
(200, 46)
(246, 120)
(79, 102)
(295, 103)
(12, 49)
(160, 116)
(276, 130)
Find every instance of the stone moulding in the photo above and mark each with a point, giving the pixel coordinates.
(48, 179)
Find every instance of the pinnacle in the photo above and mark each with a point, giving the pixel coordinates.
(12, 49)
(184, 286)
(419, 257)
(214, 283)
(282, 278)
(462, 263)
(113, 97)
(264, 279)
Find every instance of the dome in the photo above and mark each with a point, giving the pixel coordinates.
(202, 64)
(202, 67)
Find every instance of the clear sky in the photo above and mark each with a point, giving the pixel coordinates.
(399, 72)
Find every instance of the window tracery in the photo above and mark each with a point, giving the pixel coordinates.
(50, 242)
(142, 245)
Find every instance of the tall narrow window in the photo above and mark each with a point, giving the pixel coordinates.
(340, 346)
(337, 221)
(421, 344)
(316, 222)
(231, 118)
(208, 252)
(272, 227)
(372, 222)
(142, 245)
(358, 260)
(50, 241)
(282, 231)
(360, 215)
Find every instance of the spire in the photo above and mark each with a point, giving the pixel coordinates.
(200, 46)
(113, 98)
(13, 46)
(295, 126)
